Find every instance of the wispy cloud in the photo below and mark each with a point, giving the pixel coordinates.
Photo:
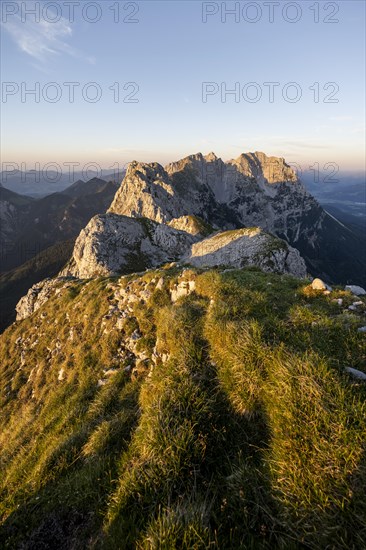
(42, 40)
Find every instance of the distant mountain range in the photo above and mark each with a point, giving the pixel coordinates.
(28, 225)
(345, 198)
(37, 235)
(38, 184)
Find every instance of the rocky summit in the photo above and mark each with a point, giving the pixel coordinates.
(253, 190)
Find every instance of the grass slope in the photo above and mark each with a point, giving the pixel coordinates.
(250, 435)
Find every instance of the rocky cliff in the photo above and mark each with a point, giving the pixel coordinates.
(112, 244)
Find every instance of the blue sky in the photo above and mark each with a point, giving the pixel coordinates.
(169, 53)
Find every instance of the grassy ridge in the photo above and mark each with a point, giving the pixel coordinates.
(250, 435)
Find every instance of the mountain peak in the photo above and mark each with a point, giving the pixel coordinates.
(210, 157)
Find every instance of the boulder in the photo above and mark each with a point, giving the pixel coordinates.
(356, 290)
(318, 284)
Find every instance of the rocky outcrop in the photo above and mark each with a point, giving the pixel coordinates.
(256, 190)
(248, 247)
(147, 191)
(38, 295)
(266, 170)
(356, 290)
(166, 214)
(156, 212)
(112, 244)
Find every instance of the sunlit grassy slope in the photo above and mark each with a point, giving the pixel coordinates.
(250, 435)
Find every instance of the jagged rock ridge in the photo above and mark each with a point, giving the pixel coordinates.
(252, 190)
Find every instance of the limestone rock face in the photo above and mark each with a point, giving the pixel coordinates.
(36, 296)
(194, 180)
(266, 170)
(266, 192)
(112, 244)
(158, 213)
(191, 224)
(146, 191)
(248, 247)
(252, 190)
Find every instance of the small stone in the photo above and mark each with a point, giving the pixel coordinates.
(356, 290)
(135, 335)
(361, 329)
(192, 286)
(356, 373)
(160, 284)
(110, 372)
(120, 323)
(318, 284)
